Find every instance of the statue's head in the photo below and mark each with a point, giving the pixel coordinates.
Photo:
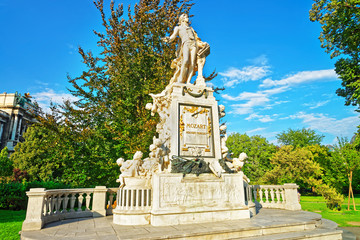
(138, 155)
(183, 18)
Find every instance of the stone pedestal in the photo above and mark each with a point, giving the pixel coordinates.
(133, 203)
(34, 214)
(194, 122)
(192, 199)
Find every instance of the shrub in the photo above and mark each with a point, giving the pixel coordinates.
(13, 194)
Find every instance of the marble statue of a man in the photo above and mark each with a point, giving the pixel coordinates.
(188, 58)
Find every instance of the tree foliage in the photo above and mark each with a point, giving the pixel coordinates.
(78, 142)
(297, 165)
(299, 138)
(6, 165)
(259, 152)
(340, 23)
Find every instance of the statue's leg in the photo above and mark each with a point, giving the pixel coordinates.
(184, 64)
(191, 64)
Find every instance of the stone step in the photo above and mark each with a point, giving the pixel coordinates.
(325, 234)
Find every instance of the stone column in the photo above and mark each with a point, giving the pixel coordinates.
(34, 214)
(99, 201)
(13, 133)
(18, 128)
(291, 197)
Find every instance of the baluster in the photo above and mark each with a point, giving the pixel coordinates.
(261, 195)
(72, 202)
(46, 206)
(65, 203)
(132, 200)
(111, 200)
(255, 194)
(272, 195)
(148, 198)
(142, 198)
(121, 198)
(250, 193)
(52, 204)
(80, 200)
(266, 195)
(283, 196)
(58, 203)
(128, 198)
(87, 201)
(278, 195)
(137, 198)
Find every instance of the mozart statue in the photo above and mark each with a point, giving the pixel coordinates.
(191, 53)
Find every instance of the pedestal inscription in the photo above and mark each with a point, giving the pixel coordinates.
(195, 131)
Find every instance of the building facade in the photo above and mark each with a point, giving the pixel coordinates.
(16, 114)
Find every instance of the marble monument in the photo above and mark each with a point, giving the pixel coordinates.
(189, 175)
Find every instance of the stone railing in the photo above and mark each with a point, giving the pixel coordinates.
(134, 199)
(111, 197)
(46, 206)
(273, 196)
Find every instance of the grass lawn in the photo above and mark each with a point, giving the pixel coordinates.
(10, 224)
(344, 217)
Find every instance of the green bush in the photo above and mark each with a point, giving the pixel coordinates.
(13, 194)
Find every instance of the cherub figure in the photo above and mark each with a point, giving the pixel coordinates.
(129, 168)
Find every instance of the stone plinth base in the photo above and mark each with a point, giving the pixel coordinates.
(197, 199)
(168, 219)
(130, 218)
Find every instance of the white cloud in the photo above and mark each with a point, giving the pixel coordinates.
(261, 118)
(49, 95)
(325, 124)
(254, 99)
(255, 130)
(316, 105)
(261, 60)
(300, 77)
(233, 76)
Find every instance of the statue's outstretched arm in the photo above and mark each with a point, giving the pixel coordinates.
(173, 35)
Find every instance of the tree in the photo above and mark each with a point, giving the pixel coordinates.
(79, 141)
(340, 23)
(333, 172)
(259, 152)
(297, 165)
(348, 157)
(299, 138)
(6, 164)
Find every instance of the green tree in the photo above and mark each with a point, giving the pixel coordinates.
(299, 138)
(78, 142)
(348, 158)
(340, 36)
(334, 173)
(297, 165)
(259, 152)
(6, 165)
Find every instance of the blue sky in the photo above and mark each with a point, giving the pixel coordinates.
(267, 55)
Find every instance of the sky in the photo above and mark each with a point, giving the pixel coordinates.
(267, 55)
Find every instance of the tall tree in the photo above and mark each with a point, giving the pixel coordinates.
(340, 36)
(6, 165)
(259, 152)
(299, 138)
(297, 165)
(109, 118)
(348, 157)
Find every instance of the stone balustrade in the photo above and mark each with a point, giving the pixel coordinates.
(134, 199)
(273, 196)
(45, 206)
